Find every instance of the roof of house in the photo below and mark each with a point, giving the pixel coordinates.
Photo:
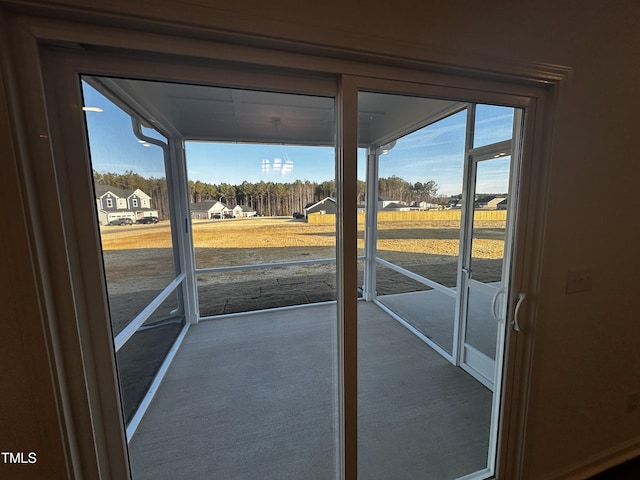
(311, 205)
(394, 206)
(118, 192)
(207, 205)
(245, 208)
(489, 198)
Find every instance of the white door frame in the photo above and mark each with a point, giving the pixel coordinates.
(489, 372)
(473, 361)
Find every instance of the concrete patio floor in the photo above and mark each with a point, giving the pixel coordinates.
(254, 397)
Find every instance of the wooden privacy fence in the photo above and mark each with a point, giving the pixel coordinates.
(416, 216)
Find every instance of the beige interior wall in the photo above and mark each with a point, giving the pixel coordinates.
(29, 421)
(587, 351)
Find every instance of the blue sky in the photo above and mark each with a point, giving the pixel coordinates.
(114, 148)
(235, 163)
(433, 153)
(436, 152)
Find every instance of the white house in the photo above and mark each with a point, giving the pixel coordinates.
(209, 209)
(243, 211)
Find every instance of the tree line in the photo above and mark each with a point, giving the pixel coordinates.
(267, 198)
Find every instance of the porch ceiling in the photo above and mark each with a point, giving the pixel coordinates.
(224, 114)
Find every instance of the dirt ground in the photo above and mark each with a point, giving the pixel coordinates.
(438, 238)
(139, 261)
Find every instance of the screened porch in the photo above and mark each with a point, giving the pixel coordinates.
(227, 328)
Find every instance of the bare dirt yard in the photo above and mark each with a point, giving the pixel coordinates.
(139, 261)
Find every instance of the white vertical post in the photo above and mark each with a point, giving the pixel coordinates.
(459, 323)
(180, 199)
(371, 224)
(507, 266)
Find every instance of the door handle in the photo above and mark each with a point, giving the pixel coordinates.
(494, 302)
(516, 321)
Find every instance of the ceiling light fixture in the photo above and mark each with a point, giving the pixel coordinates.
(92, 109)
(384, 149)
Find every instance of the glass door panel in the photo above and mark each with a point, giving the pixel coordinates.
(419, 184)
(490, 179)
(413, 401)
(134, 217)
(257, 384)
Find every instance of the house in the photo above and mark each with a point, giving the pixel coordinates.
(454, 203)
(243, 211)
(326, 205)
(575, 382)
(423, 205)
(395, 207)
(489, 203)
(382, 204)
(209, 209)
(113, 203)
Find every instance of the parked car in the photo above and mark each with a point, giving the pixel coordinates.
(121, 221)
(298, 215)
(147, 220)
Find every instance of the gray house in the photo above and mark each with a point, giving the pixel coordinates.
(114, 203)
(326, 205)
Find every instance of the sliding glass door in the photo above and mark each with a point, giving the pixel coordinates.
(223, 209)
